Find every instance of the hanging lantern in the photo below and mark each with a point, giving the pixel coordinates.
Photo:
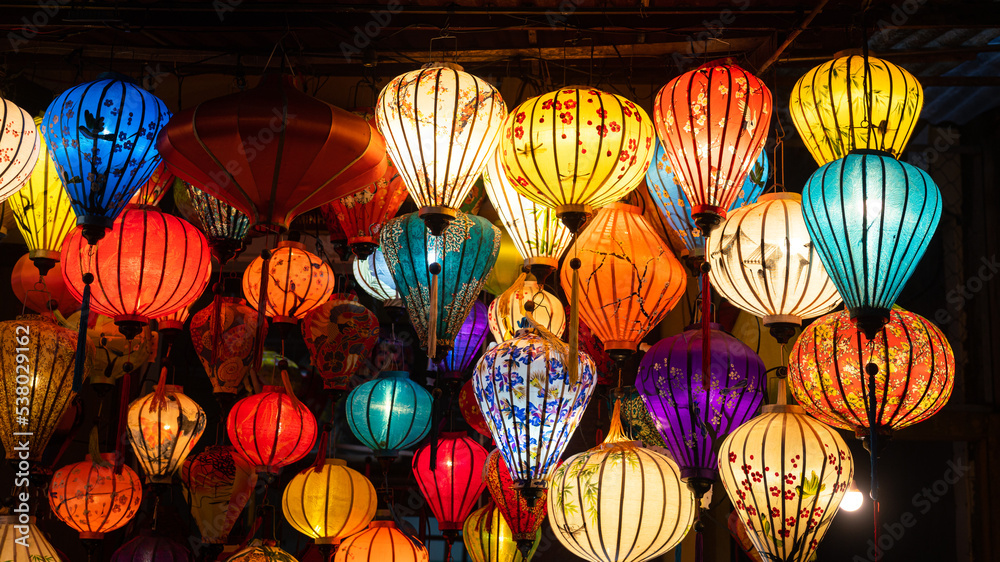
(665, 188)
(488, 538)
(43, 211)
(468, 342)
(523, 522)
(299, 282)
(471, 413)
(101, 136)
(763, 262)
(786, 474)
(94, 499)
(173, 323)
(266, 551)
(19, 148)
(339, 334)
(149, 265)
(841, 105)
(225, 227)
(272, 151)
(713, 122)
(636, 420)
(381, 542)
(389, 413)
(228, 362)
(532, 404)
(439, 277)
(629, 278)
(576, 150)
(451, 478)
(218, 482)
(13, 547)
(151, 548)
(362, 214)
(690, 415)
(51, 296)
(113, 351)
(508, 267)
(739, 533)
(374, 276)
(506, 313)
(156, 187)
(540, 237)
(440, 126)
(329, 503)
(619, 502)
(271, 429)
(859, 211)
(163, 428)
(50, 350)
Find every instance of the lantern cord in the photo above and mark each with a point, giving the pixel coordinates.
(217, 329)
(94, 446)
(123, 415)
(706, 327)
(159, 400)
(288, 386)
(258, 351)
(324, 440)
(81, 339)
(869, 93)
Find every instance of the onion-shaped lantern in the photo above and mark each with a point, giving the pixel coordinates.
(271, 429)
(299, 281)
(156, 187)
(19, 148)
(329, 503)
(713, 122)
(362, 214)
(46, 301)
(506, 312)
(488, 538)
(471, 413)
(225, 226)
(151, 548)
(786, 474)
(468, 342)
(523, 521)
(339, 333)
(576, 149)
(381, 542)
(690, 415)
(451, 478)
(440, 124)
(532, 404)
(35, 549)
(855, 102)
(218, 482)
(227, 356)
(629, 278)
(763, 262)
(163, 428)
(102, 136)
(389, 413)
(94, 499)
(871, 218)
(619, 502)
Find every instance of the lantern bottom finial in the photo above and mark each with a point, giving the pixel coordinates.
(94, 227)
(531, 490)
(574, 216)
(783, 332)
(524, 547)
(44, 260)
(541, 267)
(707, 220)
(870, 320)
(437, 219)
(130, 326)
(700, 486)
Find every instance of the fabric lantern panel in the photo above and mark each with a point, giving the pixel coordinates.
(218, 483)
(505, 312)
(271, 429)
(488, 538)
(93, 499)
(340, 334)
(223, 341)
(163, 429)
(329, 503)
(381, 542)
(524, 522)
(20, 148)
(389, 413)
(450, 477)
(468, 342)
(299, 281)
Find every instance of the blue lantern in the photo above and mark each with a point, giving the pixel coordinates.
(468, 342)
(871, 218)
(389, 413)
(102, 138)
(673, 204)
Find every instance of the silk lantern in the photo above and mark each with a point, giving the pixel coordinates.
(506, 312)
(151, 548)
(523, 521)
(163, 428)
(450, 475)
(271, 429)
(263, 551)
(24, 543)
(508, 267)
(440, 125)
(156, 187)
(272, 152)
(785, 474)
(101, 136)
(871, 218)
(94, 499)
(224, 226)
(381, 542)
(19, 148)
(329, 503)
(362, 214)
(763, 262)
(375, 278)
(224, 343)
(47, 298)
(469, 408)
(488, 538)
(218, 483)
(713, 122)
(468, 342)
(299, 282)
(575, 150)
(855, 102)
(690, 415)
(339, 333)
(389, 413)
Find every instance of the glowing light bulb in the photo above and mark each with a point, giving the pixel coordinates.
(852, 499)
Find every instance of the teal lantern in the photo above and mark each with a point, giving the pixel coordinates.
(439, 277)
(871, 218)
(390, 412)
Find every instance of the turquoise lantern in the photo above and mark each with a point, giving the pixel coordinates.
(871, 218)
(102, 137)
(673, 204)
(389, 413)
(439, 277)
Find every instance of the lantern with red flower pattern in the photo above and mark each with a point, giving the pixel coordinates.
(524, 521)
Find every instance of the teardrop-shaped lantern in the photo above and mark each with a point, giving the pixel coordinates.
(488, 538)
(506, 312)
(36, 548)
(19, 146)
(227, 356)
(450, 478)
(299, 281)
(94, 499)
(389, 413)
(381, 542)
(339, 333)
(163, 428)
(218, 482)
(468, 342)
(224, 226)
(271, 429)
(524, 521)
(329, 503)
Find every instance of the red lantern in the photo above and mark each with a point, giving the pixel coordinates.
(469, 407)
(524, 521)
(271, 429)
(273, 152)
(149, 265)
(339, 334)
(453, 483)
(93, 499)
(54, 296)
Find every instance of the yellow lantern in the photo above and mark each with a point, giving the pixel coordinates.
(830, 107)
(506, 312)
(488, 537)
(35, 548)
(163, 427)
(330, 503)
(43, 210)
(576, 149)
(262, 551)
(507, 267)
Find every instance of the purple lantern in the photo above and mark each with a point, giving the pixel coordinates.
(691, 420)
(468, 342)
(151, 548)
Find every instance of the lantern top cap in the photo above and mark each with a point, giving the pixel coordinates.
(382, 523)
(442, 64)
(780, 195)
(782, 409)
(393, 374)
(291, 244)
(870, 152)
(335, 462)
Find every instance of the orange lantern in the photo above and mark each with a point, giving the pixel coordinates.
(381, 542)
(50, 295)
(299, 282)
(92, 498)
(271, 429)
(226, 354)
(469, 407)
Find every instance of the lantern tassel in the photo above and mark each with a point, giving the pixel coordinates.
(434, 269)
(81, 339)
(94, 447)
(159, 400)
(216, 329)
(574, 324)
(706, 328)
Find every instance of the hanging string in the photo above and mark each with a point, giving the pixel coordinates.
(324, 440)
(217, 327)
(706, 328)
(261, 332)
(574, 321)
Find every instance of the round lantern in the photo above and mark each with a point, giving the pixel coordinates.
(389, 413)
(576, 149)
(468, 342)
(713, 122)
(636, 420)
(523, 521)
(381, 542)
(374, 276)
(156, 187)
(149, 265)
(471, 413)
(163, 428)
(150, 548)
(488, 538)
(855, 102)
(19, 148)
(329, 503)
(690, 418)
(531, 404)
(785, 474)
(763, 262)
(226, 353)
(299, 281)
(225, 226)
(93, 499)
(508, 267)
(362, 214)
(339, 334)
(264, 551)
(271, 429)
(35, 549)
(629, 278)
(451, 478)
(101, 135)
(272, 151)
(462, 256)
(46, 298)
(871, 218)
(619, 502)
(218, 483)
(440, 126)
(506, 313)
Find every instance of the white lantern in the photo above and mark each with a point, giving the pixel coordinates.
(163, 431)
(505, 314)
(19, 145)
(374, 277)
(34, 549)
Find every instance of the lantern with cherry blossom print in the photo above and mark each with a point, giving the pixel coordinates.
(271, 429)
(92, 498)
(523, 520)
(299, 281)
(451, 479)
